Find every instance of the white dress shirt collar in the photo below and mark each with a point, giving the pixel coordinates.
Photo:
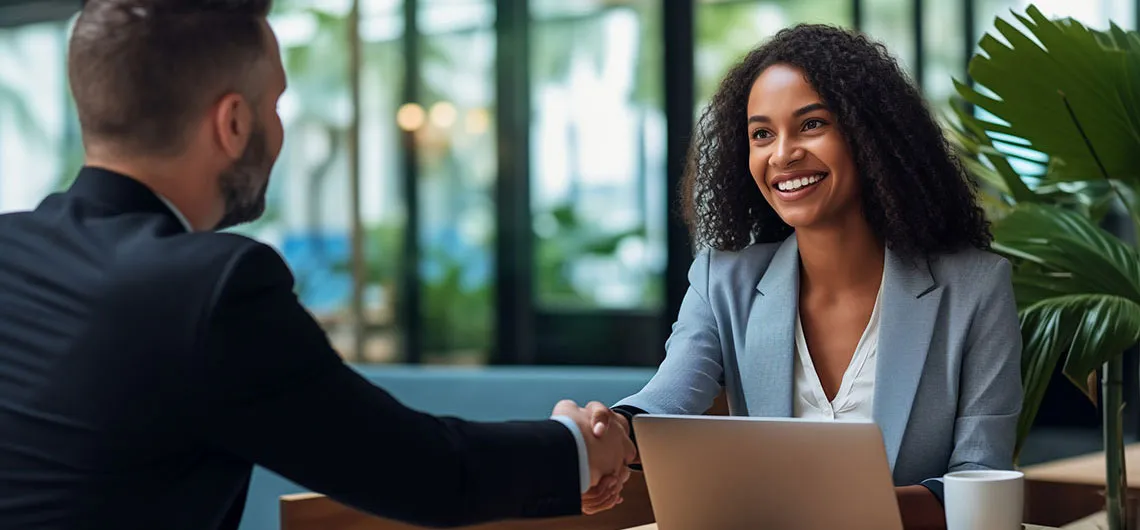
(174, 210)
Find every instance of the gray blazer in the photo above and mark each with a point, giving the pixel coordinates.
(948, 380)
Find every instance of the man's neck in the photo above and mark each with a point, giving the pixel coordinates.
(171, 182)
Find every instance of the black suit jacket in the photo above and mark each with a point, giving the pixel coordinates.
(144, 370)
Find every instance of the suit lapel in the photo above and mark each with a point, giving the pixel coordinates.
(910, 308)
(766, 369)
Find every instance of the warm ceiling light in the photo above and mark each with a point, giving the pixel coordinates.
(410, 117)
(443, 114)
(478, 121)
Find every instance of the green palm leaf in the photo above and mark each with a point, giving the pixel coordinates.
(1028, 76)
(983, 160)
(1090, 328)
(1072, 255)
(1071, 95)
(1078, 288)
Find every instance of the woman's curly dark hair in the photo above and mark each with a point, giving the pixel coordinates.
(916, 197)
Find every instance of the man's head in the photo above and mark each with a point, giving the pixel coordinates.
(191, 82)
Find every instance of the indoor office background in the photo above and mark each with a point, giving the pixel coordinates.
(494, 182)
(489, 181)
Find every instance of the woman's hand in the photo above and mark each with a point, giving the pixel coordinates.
(607, 493)
(920, 509)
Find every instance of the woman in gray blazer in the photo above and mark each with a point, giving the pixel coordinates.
(843, 270)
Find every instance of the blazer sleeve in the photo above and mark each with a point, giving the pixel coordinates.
(692, 374)
(990, 395)
(275, 393)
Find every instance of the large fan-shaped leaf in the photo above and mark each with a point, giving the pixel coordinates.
(1071, 254)
(1029, 76)
(968, 135)
(1092, 328)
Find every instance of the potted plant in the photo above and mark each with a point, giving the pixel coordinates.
(1051, 129)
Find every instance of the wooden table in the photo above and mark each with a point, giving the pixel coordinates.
(1027, 527)
(1093, 522)
(1066, 490)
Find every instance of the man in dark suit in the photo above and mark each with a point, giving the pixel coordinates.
(148, 362)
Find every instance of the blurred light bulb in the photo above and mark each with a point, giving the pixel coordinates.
(410, 116)
(443, 114)
(478, 121)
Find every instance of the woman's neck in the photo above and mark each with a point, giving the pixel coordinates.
(840, 260)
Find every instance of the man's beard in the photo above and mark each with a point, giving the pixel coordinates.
(243, 186)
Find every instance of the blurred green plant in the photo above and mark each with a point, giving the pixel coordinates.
(1061, 101)
(569, 238)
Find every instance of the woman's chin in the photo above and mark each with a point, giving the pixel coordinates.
(799, 219)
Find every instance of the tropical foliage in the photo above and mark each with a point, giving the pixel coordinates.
(1052, 130)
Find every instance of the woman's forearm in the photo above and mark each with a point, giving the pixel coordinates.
(920, 509)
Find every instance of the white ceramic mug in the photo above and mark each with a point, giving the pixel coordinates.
(984, 500)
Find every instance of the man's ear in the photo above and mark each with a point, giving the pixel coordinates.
(233, 124)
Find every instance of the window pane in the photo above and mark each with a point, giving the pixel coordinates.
(1093, 13)
(891, 22)
(458, 166)
(40, 149)
(942, 50)
(308, 216)
(727, 31)
(382, 209)
(597, 154)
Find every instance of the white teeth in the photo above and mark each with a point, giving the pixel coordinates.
(795, 184)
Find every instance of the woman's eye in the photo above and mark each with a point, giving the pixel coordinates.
(761, 134)
(813, 123)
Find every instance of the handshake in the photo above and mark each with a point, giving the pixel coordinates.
(610, 452)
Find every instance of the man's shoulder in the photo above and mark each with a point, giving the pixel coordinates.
(200, 256)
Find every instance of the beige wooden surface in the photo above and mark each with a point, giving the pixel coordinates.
(1094, 522)
(1085, 469)
(1027, 527)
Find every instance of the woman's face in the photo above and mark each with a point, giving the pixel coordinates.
(797, 154)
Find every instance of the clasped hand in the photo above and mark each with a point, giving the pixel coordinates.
(610, 452)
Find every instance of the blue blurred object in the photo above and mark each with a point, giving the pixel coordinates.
(318, 262)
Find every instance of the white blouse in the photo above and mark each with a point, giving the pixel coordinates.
(856, 396)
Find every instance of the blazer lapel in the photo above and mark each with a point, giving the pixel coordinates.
(766, 369)
(909, 311)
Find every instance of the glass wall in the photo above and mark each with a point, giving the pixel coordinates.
(943, 49)
(409, 157)
(457, 172)
(597, 154)
(1094, 13)
(892, 23)
(40, 147)
(309, 215)
(726, 30)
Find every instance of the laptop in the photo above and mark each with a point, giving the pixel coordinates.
(743, 473)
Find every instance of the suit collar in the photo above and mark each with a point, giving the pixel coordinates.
(122, 194)
(911, 299)
(766, 367)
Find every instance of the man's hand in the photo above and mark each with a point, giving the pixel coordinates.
(605, 432)
(609, 449)
(607, 493)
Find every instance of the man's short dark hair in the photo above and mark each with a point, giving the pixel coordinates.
(141, 70)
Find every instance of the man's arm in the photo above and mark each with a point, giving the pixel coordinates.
(277, 395)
